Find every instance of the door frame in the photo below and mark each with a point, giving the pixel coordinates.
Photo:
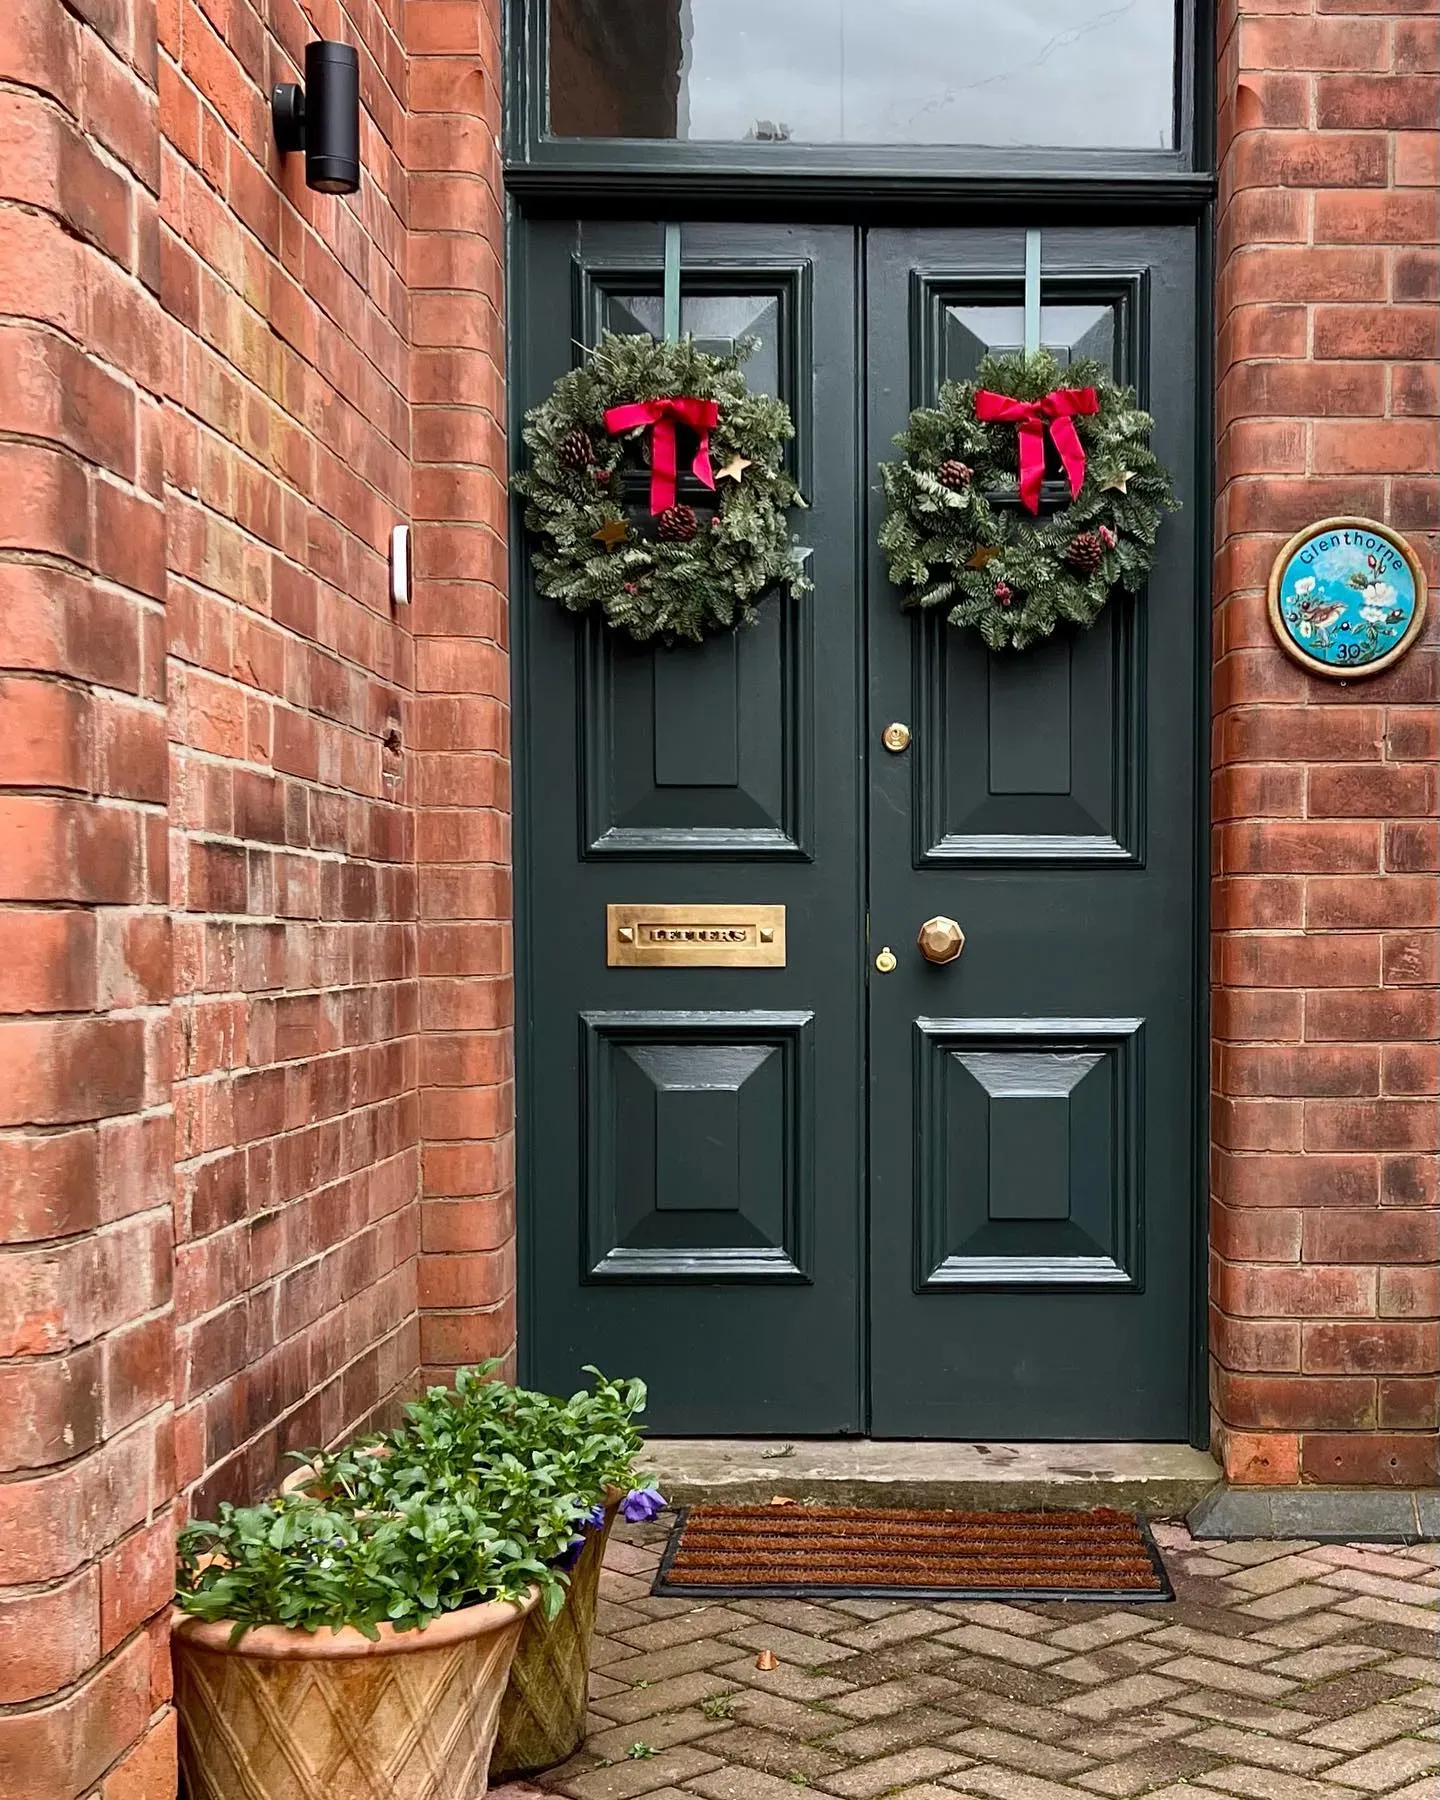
(864, 186)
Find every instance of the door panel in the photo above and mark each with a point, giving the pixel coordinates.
(694, 1150)
(703, 755)
(1033, 757)
(699, 1152)
(1032, 1102)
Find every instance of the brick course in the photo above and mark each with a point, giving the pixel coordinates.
(1324, 1231)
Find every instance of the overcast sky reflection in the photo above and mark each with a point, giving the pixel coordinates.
(1012, 72)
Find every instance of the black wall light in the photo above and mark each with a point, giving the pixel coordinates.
(323, 117)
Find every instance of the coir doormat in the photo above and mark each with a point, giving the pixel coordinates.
(883, 1553)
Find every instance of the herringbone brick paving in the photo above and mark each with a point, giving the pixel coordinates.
(1283, 1672)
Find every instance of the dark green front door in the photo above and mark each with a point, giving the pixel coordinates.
(945, 1201)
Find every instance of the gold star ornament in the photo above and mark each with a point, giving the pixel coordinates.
(733, 469)
(611, 533)
(1118, 483)
(977, 559)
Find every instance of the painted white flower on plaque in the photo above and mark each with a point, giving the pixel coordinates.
(1376, 600)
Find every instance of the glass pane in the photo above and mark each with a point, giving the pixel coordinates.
(1070, 73)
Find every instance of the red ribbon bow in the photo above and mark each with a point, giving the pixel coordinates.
(1057, 409)
(664, 415)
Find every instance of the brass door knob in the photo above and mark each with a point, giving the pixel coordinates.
(940, 940)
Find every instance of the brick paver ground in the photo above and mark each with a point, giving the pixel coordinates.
(1283, 1672)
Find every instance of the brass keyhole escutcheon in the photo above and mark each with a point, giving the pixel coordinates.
(885, 961)
(940, 940)
(896, 737)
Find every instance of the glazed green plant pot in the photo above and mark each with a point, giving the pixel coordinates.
(542, 1717)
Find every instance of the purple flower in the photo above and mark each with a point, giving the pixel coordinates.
(641, 1505)
(587, 1521)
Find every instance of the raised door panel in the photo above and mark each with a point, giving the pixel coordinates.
(1030, 1172)
(699, 1146)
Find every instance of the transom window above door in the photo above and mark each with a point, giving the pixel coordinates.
(1082, 74)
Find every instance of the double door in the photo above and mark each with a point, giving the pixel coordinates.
(946, 1199)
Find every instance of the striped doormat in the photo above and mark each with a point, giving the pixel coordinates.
(860, 1552)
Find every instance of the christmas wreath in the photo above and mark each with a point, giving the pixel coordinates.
(966, 527)
(668, 570)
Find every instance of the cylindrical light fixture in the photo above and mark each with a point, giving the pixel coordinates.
(323, 118)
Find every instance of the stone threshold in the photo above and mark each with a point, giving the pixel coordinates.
(1320, 1515)
(1160, 1480)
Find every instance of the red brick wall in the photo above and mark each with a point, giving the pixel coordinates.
(293, 880)
(255, 985)
(1325, 1238)
(86, 1330)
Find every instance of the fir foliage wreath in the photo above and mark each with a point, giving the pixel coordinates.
(1012, 570)
(670, 571)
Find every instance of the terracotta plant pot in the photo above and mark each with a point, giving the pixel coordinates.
(542, 1718)
(329, 1715)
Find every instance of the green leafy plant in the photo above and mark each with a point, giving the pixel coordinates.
(481, 1493)
(539, 1463)
(598, 548)
(307, 1563)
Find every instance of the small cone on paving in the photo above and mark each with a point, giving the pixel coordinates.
(766, 1661)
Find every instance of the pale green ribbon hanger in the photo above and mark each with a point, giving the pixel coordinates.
(671, 291)
(1032, 291)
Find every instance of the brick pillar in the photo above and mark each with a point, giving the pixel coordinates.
(1325, 1237)
(461, 736)
(85, 1127)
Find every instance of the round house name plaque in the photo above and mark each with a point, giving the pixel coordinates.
(1347, 597)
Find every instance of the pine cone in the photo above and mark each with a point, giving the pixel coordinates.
(955, 474)
(676, 525)
(575, 451)
(1084, 551)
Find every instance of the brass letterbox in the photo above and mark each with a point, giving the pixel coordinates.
(695, 937)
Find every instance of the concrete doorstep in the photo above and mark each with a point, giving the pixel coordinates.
(1159, 1480)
